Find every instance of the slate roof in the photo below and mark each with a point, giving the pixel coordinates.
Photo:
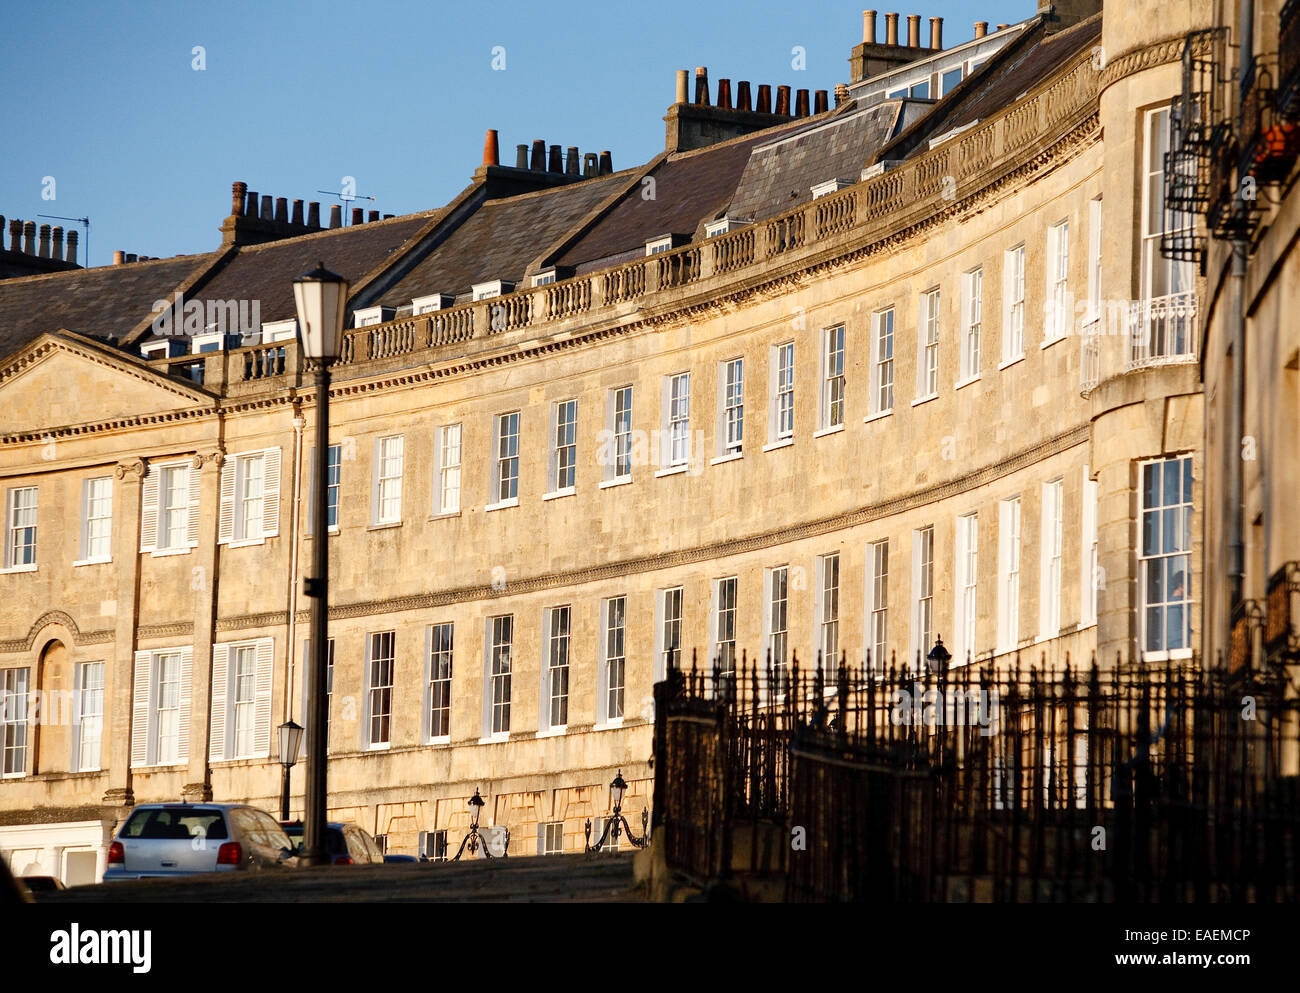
(780, 174)
(689, 187)
(265, 273)
(100, 302)
(501, 238)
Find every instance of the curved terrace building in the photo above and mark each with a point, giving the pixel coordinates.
(840, 376)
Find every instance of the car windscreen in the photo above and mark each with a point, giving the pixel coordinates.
(333, 838)
(176, 824)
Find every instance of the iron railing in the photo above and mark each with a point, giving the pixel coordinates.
(1039, 784)
(1163, 331)
(1288, 61)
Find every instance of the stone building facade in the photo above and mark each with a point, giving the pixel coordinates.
(837, 380)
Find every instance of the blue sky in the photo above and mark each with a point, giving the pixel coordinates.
(103, 96)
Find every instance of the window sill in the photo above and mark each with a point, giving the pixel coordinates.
(729, 457)
(330, 532)
(616, 481)
(100, 561)
(378, 746)
(446, 516)
(966, 382)
(442, 739)
(1008, 363)
(781, 443)
(877, 415)
(925, 399)
(18, 568)
(503, 504)
(553, 732)
(1051, 341)
(159, 553)
(672, 470)
(610, 725)
(834, 429)
(568, 491)
(245, 542)
(1172, 655)
(495, 739)
(383, 525)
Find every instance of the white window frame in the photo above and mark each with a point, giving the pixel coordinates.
(564, 439)
(250, 509)
(375, 689)
(15, 726)
(723, 617)
(1009, 563)
(389, 466)
(90, 514)
(440, 667)
(556, 693)
(923, 558)
(243, 709)
(826, 613)
(928, 333)
(972, 324)
(670, 604)
(333, 488)
(612, 672)
(877, 594)
(780, 425)
(217, 338)
(1056, 303)
(1089, 567)
(883, 327)
(1095, 247)
(491, 289)
(1165, 324)
(655, 246)
(1165, 554)
(165, 470)
(447, 478)
(833, 379)
(965, 589)
(731, 409)
(1013, 305)
(367, 317)
(617, 451)
(432, 302)
(498, 643)
(156, 708)
(675, 448)
(14, 537)
(1051, 558)
(88, 717)
(505, 460)
(776, 618)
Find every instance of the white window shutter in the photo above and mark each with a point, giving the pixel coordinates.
(226, 520)
(75, 765)
(187, 684)
(427, 694)
(271, 493)
(149, 511)
(374, 486)
(141, 678)
(262, 705)
(220, 681)
(192, 522)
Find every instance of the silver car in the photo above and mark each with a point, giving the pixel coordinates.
(176, 839)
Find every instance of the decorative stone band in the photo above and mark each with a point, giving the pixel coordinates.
(1135, 60)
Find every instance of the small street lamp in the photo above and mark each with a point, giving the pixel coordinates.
(320, 297)
(617, 789)
(473, 839)
(939, 657)
(290, 740)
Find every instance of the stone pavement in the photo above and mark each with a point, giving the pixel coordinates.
(603, 878)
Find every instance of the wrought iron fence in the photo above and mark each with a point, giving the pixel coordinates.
(1165, 783)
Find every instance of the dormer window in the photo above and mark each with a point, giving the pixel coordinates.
(827, 188)
(209, 341)
(366, 316)
(723, 225)
(552, 274)
(432, 302)
(157, 349)
(493, 288)
(656, 245)
(273, 331)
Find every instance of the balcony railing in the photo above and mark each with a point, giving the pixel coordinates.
(1163, 331)
(1288, 61)
(1282, 623)
(1090, 357)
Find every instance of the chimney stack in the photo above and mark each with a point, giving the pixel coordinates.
(571, 161)
(313, 214)
(589, 166)
(72, 247)
(491, 149)
(724, 94)
(936, 33)
(56, 243)
(821, 102)
(268, 211)
(237, 193)
(981, 28)
(538, 163)
(606, 162)
(372, 216)
(891, 29)
(336, 215)
(783, 100)
(282, 210)
(801, 103)
(1001, 26)
(15, 235)
(29, 237)
(250, 208)
(521, 156)
(742, 96)
(913, 30)
(764, 105)
(868, 27)
(555, 163)
(841, 93)
(119, 257)
(44, 251)
(358, 216)
(682, 95)
(132, 257)
(702, 86)
(297, 212)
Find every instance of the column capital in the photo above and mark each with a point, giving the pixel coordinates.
(209, 458)
(130, 467)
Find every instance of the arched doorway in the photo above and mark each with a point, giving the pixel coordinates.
(52, 720)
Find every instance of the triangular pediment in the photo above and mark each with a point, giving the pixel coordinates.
(63, 379)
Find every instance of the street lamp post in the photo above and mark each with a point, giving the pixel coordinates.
(321, 298)
(290, 739)
(616, 819)
(939, 657)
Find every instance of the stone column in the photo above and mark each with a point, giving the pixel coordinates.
(117, 681)
(203, 585)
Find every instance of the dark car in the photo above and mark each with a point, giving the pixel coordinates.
(177, 839)
(42, 884)
(346, 844)
(400, 858)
